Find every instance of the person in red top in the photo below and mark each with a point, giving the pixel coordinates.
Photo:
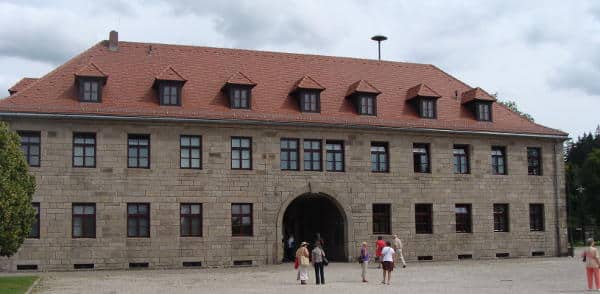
(379, 246)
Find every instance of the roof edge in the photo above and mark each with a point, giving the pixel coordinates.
(272, 123)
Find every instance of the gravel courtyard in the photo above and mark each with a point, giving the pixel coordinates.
(533, 275)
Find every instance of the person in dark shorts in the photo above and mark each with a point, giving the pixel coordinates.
(387, 256)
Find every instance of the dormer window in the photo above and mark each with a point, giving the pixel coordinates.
(239, 97)
(310, 101)
(90, 90)
(170, 94)
(424, 100)
(238, 89)
(483, 111)
(89, 81)
(169, 87)
(363, 96)
(427, 108)
(367, 105)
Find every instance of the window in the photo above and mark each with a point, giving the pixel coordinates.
(241, 219)
(239, 97)
(84, 150)
(84, 220)
(366, 105)
(288, 159)
(381, 219)
(461, 159)
(335, 156)
(534, 161)
(427, 108)
(90, 90)
(424, 218)
(498, 160)
(170, 94)
(35, 227)
(138, 220)
(312, 155)
(500, 217)
(310, 101)
(421, 158)
(483, 111)
(379, 157)
(241, 153)
(536, 217)
(190, 152)
(463, 218)
(138, 154)
(30, 145)
(191, 219)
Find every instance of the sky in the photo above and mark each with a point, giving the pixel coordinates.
(544, 55)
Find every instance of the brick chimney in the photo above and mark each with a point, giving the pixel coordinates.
(113, 41)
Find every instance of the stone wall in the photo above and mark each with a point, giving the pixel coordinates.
(111, 185)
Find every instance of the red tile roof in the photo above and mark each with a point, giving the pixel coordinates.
(476, 94)
(306, 82)
(421, 90)
(132, 70)
(169, 74)
(240, 78)
(20, 85)
(90, 70)
(362, 86)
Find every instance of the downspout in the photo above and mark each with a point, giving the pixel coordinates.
(556, 201)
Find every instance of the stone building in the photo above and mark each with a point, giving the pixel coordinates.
(167, 156)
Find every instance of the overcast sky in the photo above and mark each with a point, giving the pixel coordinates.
(545, 55)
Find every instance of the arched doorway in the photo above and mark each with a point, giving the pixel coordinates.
(313, 213)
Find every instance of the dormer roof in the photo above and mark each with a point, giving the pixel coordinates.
(22, 84)
(239, 78)
(90, 70)
(421, 90)
(362, 86)
(170, 74)
(476, 94)
(307, 82)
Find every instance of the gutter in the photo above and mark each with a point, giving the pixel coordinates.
(268, 123)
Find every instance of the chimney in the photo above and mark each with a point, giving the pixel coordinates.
(113, 41)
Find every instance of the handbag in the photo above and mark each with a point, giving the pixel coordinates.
(296, 263)
(304, 260)
(325, 261)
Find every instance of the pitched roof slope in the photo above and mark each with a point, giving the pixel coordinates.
(306, 82)
(421, 90)
(132, 70)
(22, 84)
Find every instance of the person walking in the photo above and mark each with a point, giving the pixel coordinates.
(398, 248)
(363, 259)
(378, 247)
(303, 262)
(388, 262)
(592, 262)
(290, 244)
(318, 256)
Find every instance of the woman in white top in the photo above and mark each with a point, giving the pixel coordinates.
(387, 254)
(592, 262)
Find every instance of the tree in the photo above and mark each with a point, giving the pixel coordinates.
(590, 181)
(16, 189)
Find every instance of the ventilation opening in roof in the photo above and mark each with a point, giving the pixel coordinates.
(138, 265)
(425, 258)
(502, 255)
(465, 256)
(192, 264)
(242, 262)
(538, 253)
(27, 267)
(83, 266)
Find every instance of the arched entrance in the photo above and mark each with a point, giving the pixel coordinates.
(316, 213)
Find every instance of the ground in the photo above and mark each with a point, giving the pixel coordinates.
(527, 275)
(16, 284)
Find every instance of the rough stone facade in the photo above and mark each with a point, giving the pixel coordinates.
(111, 185)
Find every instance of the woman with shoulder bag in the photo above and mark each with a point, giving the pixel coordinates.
(592, 262)
(363, 259)
(303, 262)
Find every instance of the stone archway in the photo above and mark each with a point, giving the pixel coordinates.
(312, 213)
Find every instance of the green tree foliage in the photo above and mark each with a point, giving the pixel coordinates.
(16, 188)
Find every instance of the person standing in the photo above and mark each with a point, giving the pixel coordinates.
(398, 248)
(317, 258)
(364, 261)
(290, 244)
(303, 262)
(379, 246)
(388, 262)
(592, 262)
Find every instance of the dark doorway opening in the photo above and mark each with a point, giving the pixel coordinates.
(312, 214)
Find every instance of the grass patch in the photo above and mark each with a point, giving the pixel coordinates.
(16, 285)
